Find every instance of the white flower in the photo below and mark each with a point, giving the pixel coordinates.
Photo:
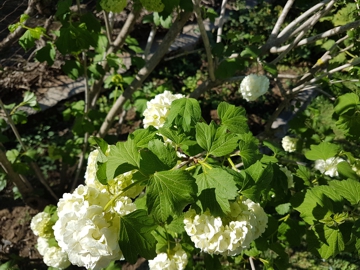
(289, 176)
(57, 258)
(41, 225)
(329, 166)
(254, 86)
(289, 144)
(177, 260)
(85, 231)
(42, 245)
(158, 109)
(229, 236)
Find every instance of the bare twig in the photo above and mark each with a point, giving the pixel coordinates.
(309, 25)
(287, 31)
(21, 182)
(33, 165)
(117, 44)
(205, 39)
(281, 19)
(329, 33)
(108, 27)
(252, 263)
(150, 41)
(145, 71)
(221, 21)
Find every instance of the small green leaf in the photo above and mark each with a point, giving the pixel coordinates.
(349, 189)
(142, 137)
(169, 192)
(249, 149)
(233, 118)
(325, 241)
(223, 183)
(3, 181)
(13, 27)
(46, 53)
(184, 113)
(323, 151)
(24, 17)
(12, 155)
(205, 135)
(224, 145)
(73, 69)
(165, 152)
(283, 209)
(346, 102)
(29, 99)
(135, 236)
(27, 41)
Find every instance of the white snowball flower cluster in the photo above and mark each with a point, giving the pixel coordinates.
(41, 225)
(176, 260)
(289, 144)
(158, 109)
(289, 175)
(230, 235)
(329, 166)
(254, 86)
(85, 230)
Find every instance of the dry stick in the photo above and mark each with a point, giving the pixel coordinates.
(117, 44)
(145, 71)
(205, 39)
(34, 166)
(150, 41)
(324, 59)
(22, 183)
(353, 63)
(309, 25)
(329, 33)
(286, 32)
(221, 21)
(12, 37)
(107, 26)
(280, 20)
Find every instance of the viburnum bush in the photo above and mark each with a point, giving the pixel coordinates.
(182, 192)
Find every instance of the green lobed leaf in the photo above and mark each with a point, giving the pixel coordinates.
(73, 69)
(165, 152)
(3, 181)
(223, 183)
(27, 41)
(350, 124)
(142, 137)
(346, 171)
(249, 149)
(233, 118)
(168, 192)
(323, 151)
(29, 99)
(325, 241)
(224, 143)
(122, 158)
(46, 53)
(150, 163)
(349, 189)
(291, 231)
(209, 201)
(184, 113)
(173, 135)
(305, 174)
(205, 135)
(316, 203)
(346, 102)
(135, 236)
